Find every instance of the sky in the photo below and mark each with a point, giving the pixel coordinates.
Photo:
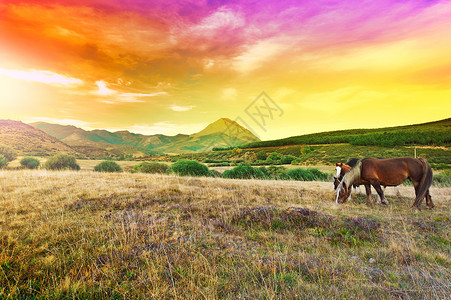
(175, 66)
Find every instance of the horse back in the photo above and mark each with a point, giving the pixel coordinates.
(391, 171)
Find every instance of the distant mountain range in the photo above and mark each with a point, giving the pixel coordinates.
(222, 133)
(26, 139)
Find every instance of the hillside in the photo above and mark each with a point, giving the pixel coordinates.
(224, 132)
(432, 133)
(28, 140)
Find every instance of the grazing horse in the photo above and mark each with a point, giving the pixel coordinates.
(389, 172)
(342, 169)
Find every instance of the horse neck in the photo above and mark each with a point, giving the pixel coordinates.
(353, 175)
(344, 169)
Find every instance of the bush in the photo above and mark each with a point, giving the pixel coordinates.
(62, 161)
(443, 178)
(8, 153)
(274, 158)
(309, 174)
(186, 167)
(287, 159)
(150, 167)
(279, 173)
(3, 161)
(108, 166)
(30, 162)
(244, 172)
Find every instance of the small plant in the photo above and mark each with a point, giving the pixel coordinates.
(150, 167)
(108, 166)
(62, 161)
(30, 163)
(186, 167)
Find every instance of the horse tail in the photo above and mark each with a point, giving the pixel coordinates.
(425, 183)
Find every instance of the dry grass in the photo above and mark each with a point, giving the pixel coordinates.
(125, 236)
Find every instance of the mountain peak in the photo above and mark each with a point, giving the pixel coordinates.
(230, 128)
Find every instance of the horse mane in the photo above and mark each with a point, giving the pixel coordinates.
(352, 176)
(352, 162)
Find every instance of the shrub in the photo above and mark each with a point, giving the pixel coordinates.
(279, 173)
(244, 172)
(443, 178)
(150, 167)
(3, 161)
(309, 174)
(8, 153)
(274, 158)
(30, 162)
(61, 161)
(108, 166)
(186, 167)
(287, 159)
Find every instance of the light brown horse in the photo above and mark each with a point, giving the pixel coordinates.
(389, 172)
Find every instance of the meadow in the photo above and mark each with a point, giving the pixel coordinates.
(87, 235)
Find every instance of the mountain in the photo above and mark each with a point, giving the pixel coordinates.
(221, 133)
(28, 140)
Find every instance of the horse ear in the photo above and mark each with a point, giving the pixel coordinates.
(336, 164)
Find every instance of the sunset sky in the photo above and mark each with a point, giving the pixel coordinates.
(175, 66)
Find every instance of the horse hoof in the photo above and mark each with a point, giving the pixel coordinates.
(416, 207)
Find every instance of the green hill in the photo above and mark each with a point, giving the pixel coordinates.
(433, 133)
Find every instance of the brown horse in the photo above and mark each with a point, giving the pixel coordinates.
(389, 172)
(342, 169)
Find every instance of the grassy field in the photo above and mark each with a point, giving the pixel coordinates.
(125, 236)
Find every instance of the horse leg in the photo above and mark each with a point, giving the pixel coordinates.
(429, 202)
(368, 194)
(417, 203)
(380, 192)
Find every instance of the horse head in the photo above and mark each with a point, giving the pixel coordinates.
(343, 192)
(338, 167)
(336, 183)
